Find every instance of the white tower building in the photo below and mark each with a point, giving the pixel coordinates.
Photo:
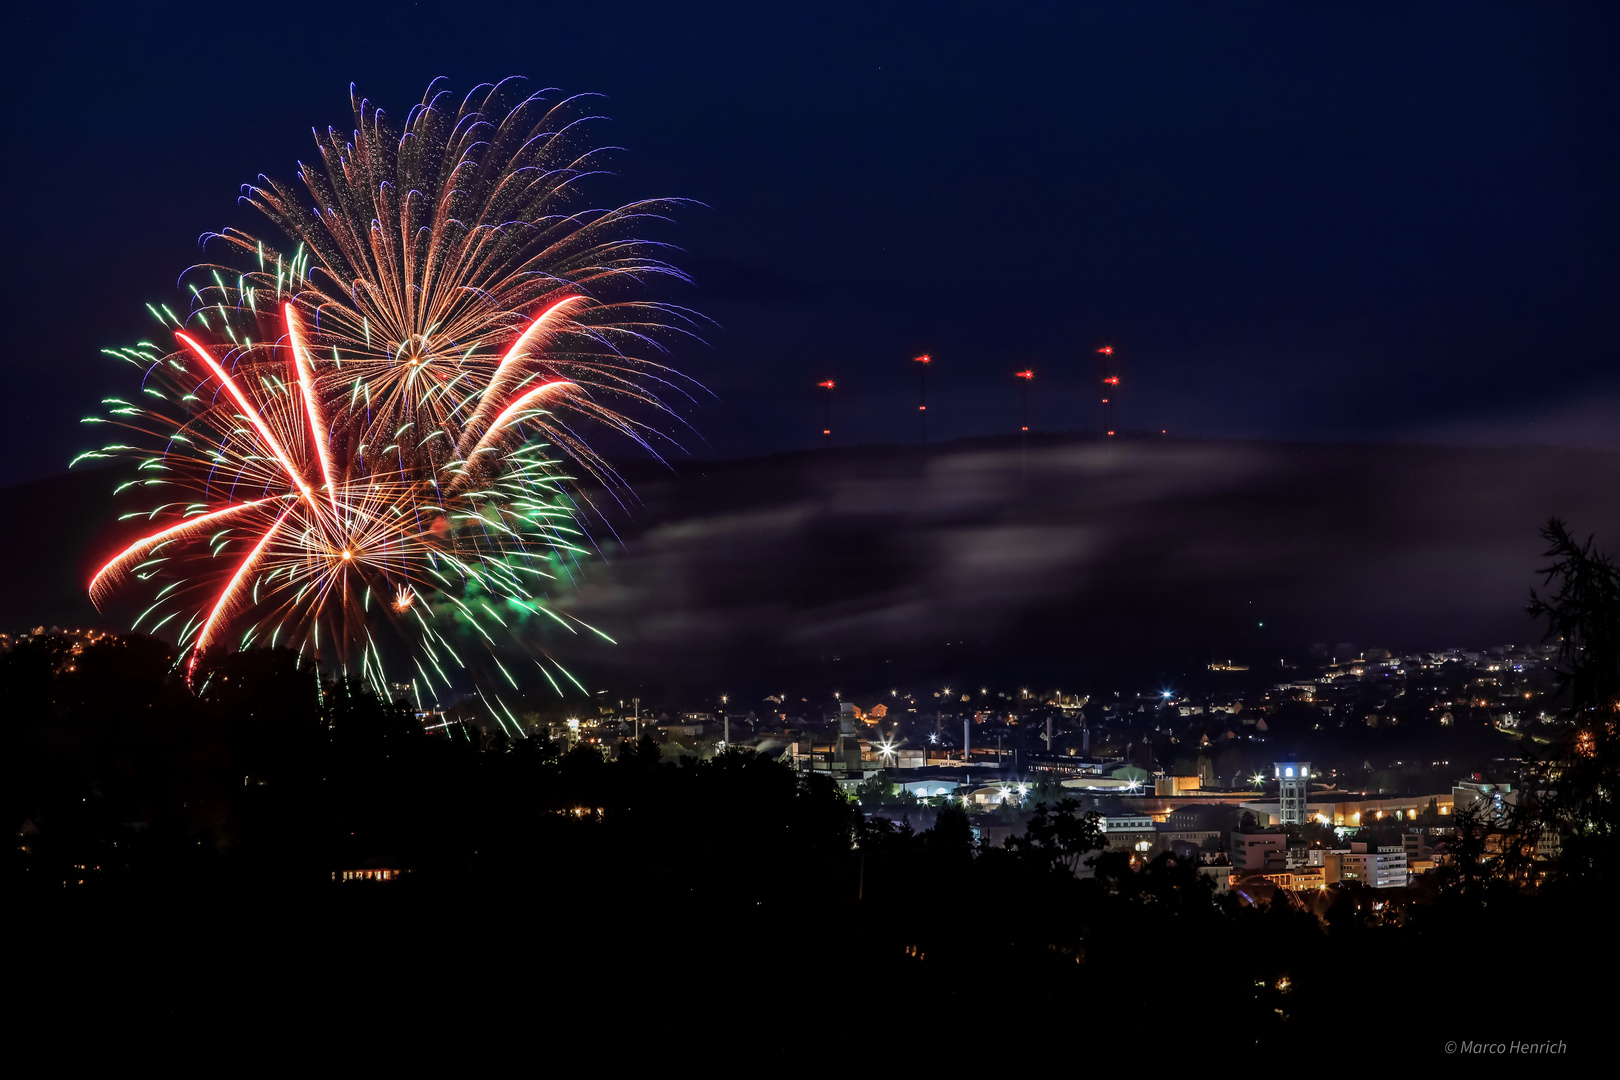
(1293, 785)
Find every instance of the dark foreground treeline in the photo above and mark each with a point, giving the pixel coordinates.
(171, 876)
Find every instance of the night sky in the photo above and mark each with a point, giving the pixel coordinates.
(1368, 222)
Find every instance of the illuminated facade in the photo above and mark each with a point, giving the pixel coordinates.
(1130, 832)
(1353, 810)
(1293, 787)
(1376, 867)
(1253, 852)
(1303, 878)
(369, 874)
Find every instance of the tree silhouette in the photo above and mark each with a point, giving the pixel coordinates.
(1575, 790)
(1059, 837)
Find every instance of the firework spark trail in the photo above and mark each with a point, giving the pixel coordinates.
(230, 593)
(248, 411)
(514, 412)
(449, 312)
(515, 354)
(110, 575)
(310, 556)
(304, 372)
(422, 298)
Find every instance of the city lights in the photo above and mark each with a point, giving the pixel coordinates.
(341, 752)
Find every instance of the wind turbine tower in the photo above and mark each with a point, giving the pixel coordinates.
(1110, 389)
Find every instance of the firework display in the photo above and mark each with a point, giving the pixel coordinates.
(369, 439)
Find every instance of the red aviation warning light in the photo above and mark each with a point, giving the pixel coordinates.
(1024, 378)
(1110, 382)
(922, 363)
(828, 385)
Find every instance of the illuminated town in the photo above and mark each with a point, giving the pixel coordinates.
(1279, 792)
(1190, 775)
(911, 537)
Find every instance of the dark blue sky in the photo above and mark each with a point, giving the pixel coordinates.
(1367, 221)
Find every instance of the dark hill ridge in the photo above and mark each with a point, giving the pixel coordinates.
(861, 566)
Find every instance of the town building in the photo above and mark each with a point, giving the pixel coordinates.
(1352, 809)
(1293, 790)
(1494, 797)
(1256, 852)
(1377, 867)
(932, 787)
(1176, 785)
(1305, 857)
(1303, 878)
(1220, 875)
(1130, 832)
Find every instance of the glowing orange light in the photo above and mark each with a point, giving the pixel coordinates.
(826, 431)
(1110, 433)
(922, 408)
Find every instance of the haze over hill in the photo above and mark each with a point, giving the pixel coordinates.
(1093, 565)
